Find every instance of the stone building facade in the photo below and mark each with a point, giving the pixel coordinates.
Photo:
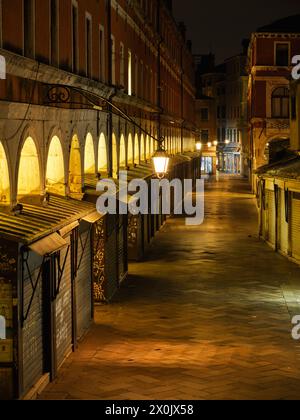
(270, 64)
(90, 86)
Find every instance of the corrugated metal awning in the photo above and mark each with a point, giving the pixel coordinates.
(49, 245)
(37, 221)
(93, 217)
(67, 229)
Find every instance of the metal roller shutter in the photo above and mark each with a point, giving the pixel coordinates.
(295, 231)
(99, 260)
(271, 217)
(83, 284)
(283, 227)
(111, 260)
(33, 348)
(121, 248)
(63, 306)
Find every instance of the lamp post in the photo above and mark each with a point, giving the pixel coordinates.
(161, 160)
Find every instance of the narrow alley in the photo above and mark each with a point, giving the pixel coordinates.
(218, 328)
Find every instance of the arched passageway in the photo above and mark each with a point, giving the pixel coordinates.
(4, 178)
(29, 178)
(75, 172)
(102, 154)
(55, 170)
(89, 155)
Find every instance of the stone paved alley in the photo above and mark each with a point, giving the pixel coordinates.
(206, 316)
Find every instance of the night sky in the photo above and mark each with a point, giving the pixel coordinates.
(220, 25)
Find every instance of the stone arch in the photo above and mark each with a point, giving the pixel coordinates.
(29, 173)
(4, 177)
(102, 154)
(136, 150)
(114, 156)
(142, 155)
(122, 153)
(55, 168)
(130, 153)
(75, 169)
(89, 155)
(148, 153)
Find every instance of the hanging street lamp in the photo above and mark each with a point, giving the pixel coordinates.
(198, 146)
(161, 160)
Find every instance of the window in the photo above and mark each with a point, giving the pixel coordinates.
(113, 60)
(223, 134)
(281, 103)
(282, 54)
(122, 65)
(142, 80)
(0, 23)
(204, 114)
(136, 76)
(129, 73)
(54, 32)
(223, 112)
(101, 54)
(88, 45)
(29, 28)
(205, 135)
(74, 37)
(293, 107)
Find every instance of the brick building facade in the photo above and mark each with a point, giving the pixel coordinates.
(90, 86)
(270, 64)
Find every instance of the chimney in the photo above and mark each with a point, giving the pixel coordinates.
(189, 45)
(169, 4)
(182, 29)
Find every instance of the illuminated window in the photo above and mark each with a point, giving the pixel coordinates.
(55, 172)
(29, 170)
(4, 178)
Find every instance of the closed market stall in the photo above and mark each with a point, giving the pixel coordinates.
(38, 290)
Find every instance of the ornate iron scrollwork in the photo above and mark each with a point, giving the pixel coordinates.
(58, 95)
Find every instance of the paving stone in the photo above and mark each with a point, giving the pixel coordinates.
(207, 315)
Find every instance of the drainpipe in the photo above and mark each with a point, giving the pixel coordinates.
(158, 28)
(109, 82)
(182, 98)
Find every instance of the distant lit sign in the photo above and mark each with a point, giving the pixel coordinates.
(2, 67)
(2, 328)
(296, 68)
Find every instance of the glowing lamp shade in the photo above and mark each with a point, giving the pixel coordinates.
(215, 143)
(227, 141)
(198, 146)
(161, 162)
(209, 144)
